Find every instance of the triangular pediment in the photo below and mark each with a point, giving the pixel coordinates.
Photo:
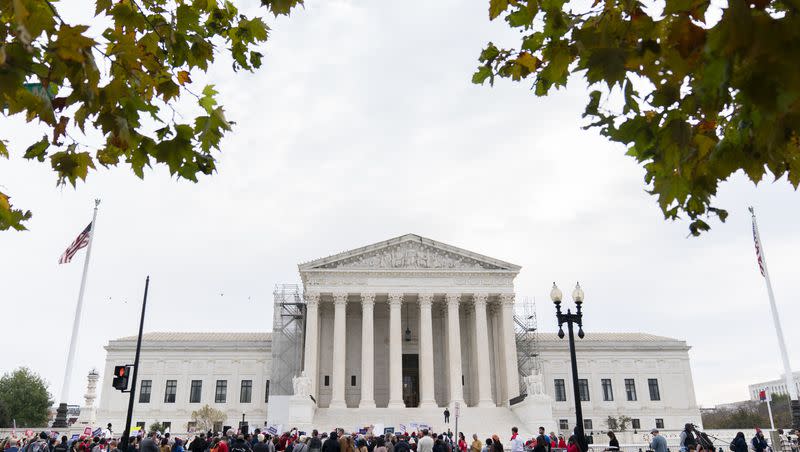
(409, 252)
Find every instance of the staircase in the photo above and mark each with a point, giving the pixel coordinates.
(483, 421)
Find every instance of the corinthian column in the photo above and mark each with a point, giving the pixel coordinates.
(509, 347)
(395, 352)
(367, 350)
(482, 343)
(339, 349)
(454, 349)
(312, 339)
(426, 351)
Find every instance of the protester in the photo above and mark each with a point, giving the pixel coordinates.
(425, 443)
(572, 445)
(462, 442)
(515, 442)
(476, 444)
(542, 442)
(739, 444)
(658, 443)
(613, 442)
(759, 442)
(687, 439)
(62, 445)
(561, 443)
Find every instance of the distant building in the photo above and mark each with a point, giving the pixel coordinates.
(773, 386)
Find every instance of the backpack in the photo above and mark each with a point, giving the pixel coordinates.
(238, 448)
(37, 446)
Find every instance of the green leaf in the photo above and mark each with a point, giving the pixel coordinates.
(38, 150)
(481, 75)
(497, 7)
(70, 165)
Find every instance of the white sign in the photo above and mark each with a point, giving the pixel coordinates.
(457, 409)
(273, 429)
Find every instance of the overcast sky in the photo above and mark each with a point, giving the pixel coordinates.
(362, 126)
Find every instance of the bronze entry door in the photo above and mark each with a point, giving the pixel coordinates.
(411, 380)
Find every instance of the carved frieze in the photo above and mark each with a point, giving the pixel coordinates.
(410, 255)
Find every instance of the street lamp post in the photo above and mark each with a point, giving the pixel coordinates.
(571, 319)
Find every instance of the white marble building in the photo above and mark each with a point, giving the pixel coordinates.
(645, 377)
(397, 330)
(182, 372)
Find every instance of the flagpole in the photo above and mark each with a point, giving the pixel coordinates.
(787, 370)
(61, 414)
(769, 409)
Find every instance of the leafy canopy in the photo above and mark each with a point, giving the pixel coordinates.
(207, 416)
(122, 83)
(698, 100)
(24, 398)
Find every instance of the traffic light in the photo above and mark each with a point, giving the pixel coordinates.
(121, 375)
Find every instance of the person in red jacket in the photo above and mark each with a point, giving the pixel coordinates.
(561, 443)
(572, 445)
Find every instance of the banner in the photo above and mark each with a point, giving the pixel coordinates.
(87, 431)
(274, 429)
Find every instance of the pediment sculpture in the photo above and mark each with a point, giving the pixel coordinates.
(411, 255)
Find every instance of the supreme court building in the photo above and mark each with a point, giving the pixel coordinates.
(410, 322)
(395, 331)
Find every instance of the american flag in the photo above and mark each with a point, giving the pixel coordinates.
(81, 242)
(758, 248)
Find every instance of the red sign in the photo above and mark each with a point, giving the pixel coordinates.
(87, 431)
(762, 395)
(29, 433)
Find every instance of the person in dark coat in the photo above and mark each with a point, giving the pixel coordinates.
(739, 444)
(198, 444)
(402, 445)
(331, 444)
(759, 442)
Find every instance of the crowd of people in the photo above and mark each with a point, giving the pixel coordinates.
(691, 440)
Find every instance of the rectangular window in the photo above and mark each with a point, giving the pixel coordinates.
(144, 391)
(221, 392)
(561, 390)
(659, 423)
(266, 393)
(352, 380)
(630, 389)
(608, 392)
(167, 425)
(195, 391)
(587, 424)
(563, 424)
(635, 424)
(327, 380)
(246, 394)
(652, 383)
(583, 389)
(140, 425)
(170, 390)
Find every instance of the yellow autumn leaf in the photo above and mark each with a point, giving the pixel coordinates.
(183, 77)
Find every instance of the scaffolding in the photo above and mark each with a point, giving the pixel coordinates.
(525, 333)
(288, 334)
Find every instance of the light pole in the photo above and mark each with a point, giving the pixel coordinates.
(570, 319)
